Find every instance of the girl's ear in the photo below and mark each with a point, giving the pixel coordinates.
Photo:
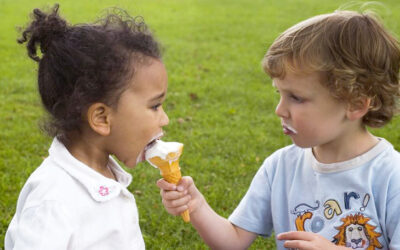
(358, 109)
(98, 117)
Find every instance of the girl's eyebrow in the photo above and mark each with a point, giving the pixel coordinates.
(158, 97)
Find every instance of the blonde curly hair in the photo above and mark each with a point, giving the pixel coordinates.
(358, 57)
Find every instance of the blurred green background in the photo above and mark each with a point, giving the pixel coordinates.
(220, 103)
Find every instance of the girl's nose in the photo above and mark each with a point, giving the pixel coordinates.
(164, 119)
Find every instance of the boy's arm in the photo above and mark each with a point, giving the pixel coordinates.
(216, 231)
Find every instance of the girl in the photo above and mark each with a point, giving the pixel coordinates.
(103, 85)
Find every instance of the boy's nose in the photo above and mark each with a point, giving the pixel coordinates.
(280, 109)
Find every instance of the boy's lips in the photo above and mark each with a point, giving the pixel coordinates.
(288, 130)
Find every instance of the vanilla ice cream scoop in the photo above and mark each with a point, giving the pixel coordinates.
(165, 156)
(167, 151)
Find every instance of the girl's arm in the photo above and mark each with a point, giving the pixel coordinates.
(216, 231)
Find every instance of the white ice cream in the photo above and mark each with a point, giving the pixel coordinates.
(162, 149)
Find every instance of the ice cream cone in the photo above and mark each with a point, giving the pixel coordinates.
(165, 156)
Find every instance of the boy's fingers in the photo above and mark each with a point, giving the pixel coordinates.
(181, 209)
(172, 195)
(295, 235)
(177, 203)
(164, 185)
(298, 244)
(177, 210)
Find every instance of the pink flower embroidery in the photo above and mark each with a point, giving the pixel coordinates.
(103, 191)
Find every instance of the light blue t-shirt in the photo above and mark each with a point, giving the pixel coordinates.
(355, 203)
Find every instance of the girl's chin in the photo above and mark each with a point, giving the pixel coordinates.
(141, 157)
(131, 163)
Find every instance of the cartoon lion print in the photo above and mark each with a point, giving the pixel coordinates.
(356, 233)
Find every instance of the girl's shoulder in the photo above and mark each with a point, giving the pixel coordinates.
(48, 183)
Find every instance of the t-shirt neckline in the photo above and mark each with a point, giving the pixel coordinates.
(349, 164)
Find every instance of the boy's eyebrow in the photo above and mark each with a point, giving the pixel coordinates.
(158, 96)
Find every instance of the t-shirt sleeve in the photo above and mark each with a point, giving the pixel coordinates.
(45, 226)
(393, 222)
(253, 213)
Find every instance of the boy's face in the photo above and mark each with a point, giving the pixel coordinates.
(139, 117)
(309, 114)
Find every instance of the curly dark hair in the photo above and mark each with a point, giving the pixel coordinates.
(85, 63)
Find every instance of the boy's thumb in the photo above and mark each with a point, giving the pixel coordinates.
(164, 185)
(184, 183)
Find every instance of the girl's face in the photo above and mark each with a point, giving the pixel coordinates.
(139, 116)
(309, 114)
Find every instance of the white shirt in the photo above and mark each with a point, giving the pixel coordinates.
(67, 205)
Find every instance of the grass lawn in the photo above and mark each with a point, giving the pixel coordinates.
(220, 103)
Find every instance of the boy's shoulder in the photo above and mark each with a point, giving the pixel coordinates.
(290, 152)
(388, 162)
(289, 157)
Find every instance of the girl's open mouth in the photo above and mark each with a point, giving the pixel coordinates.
(151, 143)
(153, 140)
(142, 155)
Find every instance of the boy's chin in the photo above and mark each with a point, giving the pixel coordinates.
(302, 144)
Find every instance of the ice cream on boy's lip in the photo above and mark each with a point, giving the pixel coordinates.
(288, 130)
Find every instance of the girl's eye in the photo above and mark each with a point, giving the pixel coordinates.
(155, 107)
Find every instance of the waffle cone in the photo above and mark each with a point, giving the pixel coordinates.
(171, 172)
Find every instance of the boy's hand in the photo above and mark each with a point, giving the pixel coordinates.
(307, 241)
(178, 198)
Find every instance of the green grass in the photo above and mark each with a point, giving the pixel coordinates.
(220, 103)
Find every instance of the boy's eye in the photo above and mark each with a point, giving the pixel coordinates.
(296, 98)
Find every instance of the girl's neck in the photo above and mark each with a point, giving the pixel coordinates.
(90, 152)
(345, 148)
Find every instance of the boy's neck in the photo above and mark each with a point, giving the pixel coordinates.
(346, 148)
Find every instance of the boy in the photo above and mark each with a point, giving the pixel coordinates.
(338, 186)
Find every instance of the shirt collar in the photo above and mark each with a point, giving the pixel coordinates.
(349, 164)
(99, 187)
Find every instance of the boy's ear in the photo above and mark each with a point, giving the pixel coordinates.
(98, 117)
(358, 109)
